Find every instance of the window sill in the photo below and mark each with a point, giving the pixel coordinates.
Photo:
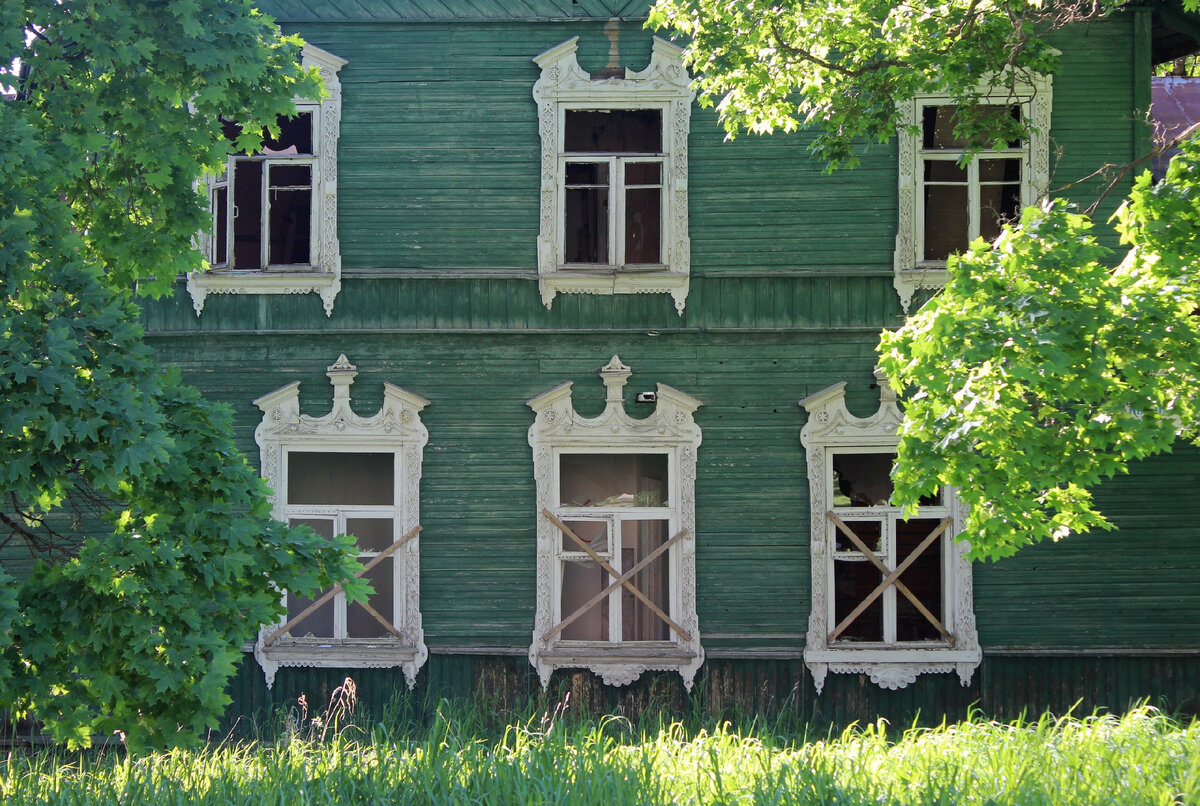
(608, 280)
(332, 654)
(200, 285)
(892, 668)
(922, 276)
(619, 664)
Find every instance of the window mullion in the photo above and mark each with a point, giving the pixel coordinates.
(616, 210)
(973, 200)
(264, 223)
(891, 561)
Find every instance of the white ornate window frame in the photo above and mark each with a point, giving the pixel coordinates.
(832, 428)
(1034, 95)
(325, 277)
(671, 430)
(665, 85)
(396, 428)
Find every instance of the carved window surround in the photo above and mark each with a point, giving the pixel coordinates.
(1034, 96)
(325, 277)
(665, 85)
(670, 430)
(396, 428)
(832, 428)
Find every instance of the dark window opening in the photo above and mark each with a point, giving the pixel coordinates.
(617, 131)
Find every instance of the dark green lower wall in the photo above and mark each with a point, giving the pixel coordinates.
(1003, 687)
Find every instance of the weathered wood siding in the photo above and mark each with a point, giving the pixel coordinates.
(791, 283)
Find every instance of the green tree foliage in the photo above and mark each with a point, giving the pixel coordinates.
(151, 536)
(1039, 370)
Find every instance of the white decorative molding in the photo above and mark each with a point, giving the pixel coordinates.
(669, 429)
(663, 84)
(1034, 94)
(325, 277)
(395, 428)
(831, 428)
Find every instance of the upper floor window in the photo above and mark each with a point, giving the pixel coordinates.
(616, 535)
(953, 191)
(891, 592)
(344, 474)
(614, 214)
(274, 212)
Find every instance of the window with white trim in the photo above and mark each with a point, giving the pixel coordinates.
(948, 200)
(616, 587)
(343, 474)
(891, 590)
(274, 212)
(614, 177)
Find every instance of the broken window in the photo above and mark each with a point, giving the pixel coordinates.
(262, 205)
(891, 590)
(963, 202)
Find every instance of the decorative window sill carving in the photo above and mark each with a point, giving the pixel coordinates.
(836, 442)
(289, 443)
(612, 635)
(240, 282)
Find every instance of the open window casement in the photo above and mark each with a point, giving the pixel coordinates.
(342, 474)
(945, 204)
(891, 591)
(616, 579)
(614, 207)
(274, 212)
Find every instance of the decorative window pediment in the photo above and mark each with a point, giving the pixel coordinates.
(346, 474)
(944, 204)
(891, 594)
(614, 198)
(274, 212)
(616, 543)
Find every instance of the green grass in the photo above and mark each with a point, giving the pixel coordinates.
(1142, 757)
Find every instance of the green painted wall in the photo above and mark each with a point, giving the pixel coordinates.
(792, 282)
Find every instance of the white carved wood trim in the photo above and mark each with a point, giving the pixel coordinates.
(669, 429)
(325, 279)
(1035, 95)
(665, 84)
(395, 428)
(831, 427)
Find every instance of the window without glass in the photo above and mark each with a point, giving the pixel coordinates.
(612, 177)
(962, 202)
(262, 206)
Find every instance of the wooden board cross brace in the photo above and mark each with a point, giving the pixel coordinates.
(620, 579)
(890, 577)
(336, 589)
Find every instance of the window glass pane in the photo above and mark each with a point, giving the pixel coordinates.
(853, 581)
(587, 174)
(617, 131)
(247, 214)
(220, 206)
(869, 532)
(585, 226)
(318, 624)
(999, 204)
(605, 479)
(373, 534)
(923, 578)
(638, 621)
(643, 225)
(322, 526)
(295, 135)
(290, 198)
(349, 479)
(862, 479)
(594, 533)
(1000, 170)
(583, 579)
(360, 623)
(946, 220)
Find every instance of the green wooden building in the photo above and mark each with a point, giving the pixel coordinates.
(509, 284)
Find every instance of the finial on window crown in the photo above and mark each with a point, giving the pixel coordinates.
(886, 393)
(615, 375)
(341, 374)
